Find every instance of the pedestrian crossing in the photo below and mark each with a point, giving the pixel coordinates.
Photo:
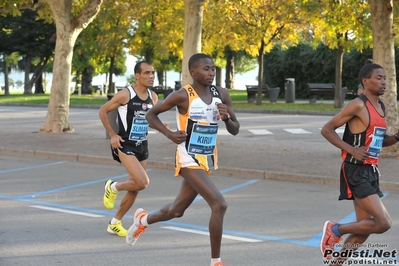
(265, 132)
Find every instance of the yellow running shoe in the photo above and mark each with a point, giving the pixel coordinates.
(116, 229)
(109, 195)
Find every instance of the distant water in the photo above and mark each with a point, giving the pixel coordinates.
(249, 78)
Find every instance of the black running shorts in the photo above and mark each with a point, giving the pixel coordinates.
(130, 148)
(359, 181)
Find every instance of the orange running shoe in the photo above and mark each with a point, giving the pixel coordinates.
(137, 228)
(328, 239)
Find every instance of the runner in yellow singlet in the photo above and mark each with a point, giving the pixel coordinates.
(200, 108)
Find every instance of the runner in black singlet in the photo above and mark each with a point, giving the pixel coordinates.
(129, 145)
(363, 139)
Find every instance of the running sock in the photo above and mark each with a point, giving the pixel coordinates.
(214, 261)
(113, 186)
(114, 220)
(143, 220)
(334, 228)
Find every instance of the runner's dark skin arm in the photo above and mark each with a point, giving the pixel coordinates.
(175, 99)
(390, 140)
(155, 101)
(348, 112)
(225, 110)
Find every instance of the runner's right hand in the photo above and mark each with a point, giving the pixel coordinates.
(360, 153)
(178, 136)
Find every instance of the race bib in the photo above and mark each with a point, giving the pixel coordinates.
(376, 142)
(203, 139)
(139, 129)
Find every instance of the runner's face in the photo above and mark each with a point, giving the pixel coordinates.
(376, 83)
(205, 71)
(147, 75)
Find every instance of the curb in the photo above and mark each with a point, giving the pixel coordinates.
(236, 172)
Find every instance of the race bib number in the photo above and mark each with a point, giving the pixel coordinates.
(376, 142)
(203, 139)
(139, 129)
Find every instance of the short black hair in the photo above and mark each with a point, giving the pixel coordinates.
(195, 58)
(366, 71)
(137, 67)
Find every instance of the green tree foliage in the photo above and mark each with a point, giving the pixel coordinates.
(156, 33)
(340, 25)
(7, 63)
(256, 26)
(32, 38)
(100, 48)
(309, 65)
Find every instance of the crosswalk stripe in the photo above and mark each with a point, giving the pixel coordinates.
(260, 131)
(223, 132)
(297, 131)
(339, 130)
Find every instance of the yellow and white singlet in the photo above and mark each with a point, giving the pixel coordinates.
(199, 151)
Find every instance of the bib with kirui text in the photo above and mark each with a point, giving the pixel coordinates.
(203, 139)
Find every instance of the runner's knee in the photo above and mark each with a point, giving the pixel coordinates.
(142, 184)
(138, 184)
(219, 207)
(383, 226)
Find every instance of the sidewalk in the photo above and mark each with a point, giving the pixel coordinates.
(297, 161)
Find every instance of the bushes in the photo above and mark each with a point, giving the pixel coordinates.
(306, 65)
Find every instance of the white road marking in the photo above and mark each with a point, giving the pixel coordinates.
(244, 239)
(297, 131)
(223, 132)
(260, 131)
(339, 130)
(67, 211)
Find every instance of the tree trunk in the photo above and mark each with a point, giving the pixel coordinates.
(160, 75)
(38, 75)
(193, 15)
(27, 84)
(218, 76)
(87, 78)
(260, 73)
(338, 78)
(111, 86)
(39, 84)
(6, 83)
(67, 30)
(230, 68)
(78, 82)
(384, 55)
